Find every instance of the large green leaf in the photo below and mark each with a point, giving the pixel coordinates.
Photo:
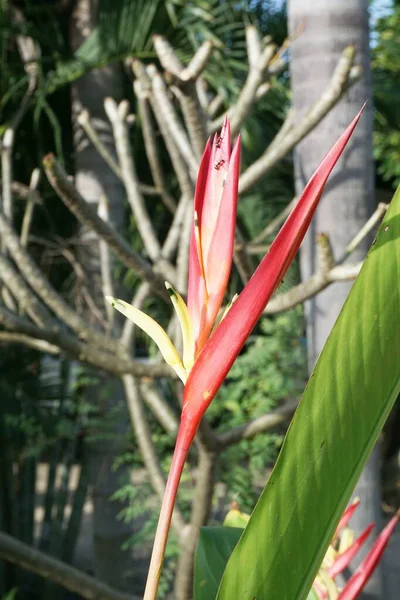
(343, 409)
(214, 547)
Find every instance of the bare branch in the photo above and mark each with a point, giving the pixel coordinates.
(248, 94)
(143, 437)
(127, 336)
(173, 236)
(70, 578)
(118, 364)
(32, 199)
(159, 407)
(172, 121)
(25, 340)
(87, 215)
(167, 56)
(151, 148)
(326, 274)
(214, 106)
(179, 165)
(117, 116)
(7, 144)
(267, 422)
(106, 264)
(182, 264)
(86, 124)
(27, 301)
(365, 230)
(198, 62)
(340, 81)
(41, 286)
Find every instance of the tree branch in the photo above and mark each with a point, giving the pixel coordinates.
(172, 121)
(41, 286)
(143, 437)
(118, 364)
(117, 115)
(70, 578)
(261, 424)
(150, 144)
(159, 407)
(25, 340)
(89, 218)
(342, 77)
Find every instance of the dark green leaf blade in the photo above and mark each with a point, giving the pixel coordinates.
(343, 409)
(214, 548)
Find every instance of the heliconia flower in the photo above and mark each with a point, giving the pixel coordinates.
(362, 574)
(211, 345)
(210, 259)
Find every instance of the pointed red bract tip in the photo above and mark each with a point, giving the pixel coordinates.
(348, 513)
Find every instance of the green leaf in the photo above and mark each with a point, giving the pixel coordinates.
(340, 416)
(214, 548)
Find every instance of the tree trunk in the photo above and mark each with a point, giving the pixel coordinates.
(95, 181)
(327, 28)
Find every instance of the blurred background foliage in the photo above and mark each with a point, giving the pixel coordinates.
(45, 417)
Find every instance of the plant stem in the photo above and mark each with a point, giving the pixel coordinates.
(183, 442)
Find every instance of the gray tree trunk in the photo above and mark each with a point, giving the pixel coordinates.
(95, 180)
(349, 198)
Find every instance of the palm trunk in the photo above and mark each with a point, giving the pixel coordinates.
(95, 181)
(327, 28)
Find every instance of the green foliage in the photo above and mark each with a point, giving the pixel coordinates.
(213, 550)
(386, 68)
(272, 368)
(347, 400)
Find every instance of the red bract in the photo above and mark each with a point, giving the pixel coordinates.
(346, 516)
(213, 232)
(343, 560)
(360, 577)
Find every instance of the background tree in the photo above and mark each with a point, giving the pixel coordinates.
(325, 29)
